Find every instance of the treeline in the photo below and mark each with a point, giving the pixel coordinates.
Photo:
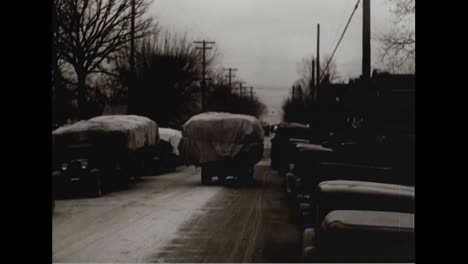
(91, 68)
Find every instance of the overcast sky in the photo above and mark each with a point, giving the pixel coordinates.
(266, 39)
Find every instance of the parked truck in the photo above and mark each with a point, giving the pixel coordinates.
(102, 153)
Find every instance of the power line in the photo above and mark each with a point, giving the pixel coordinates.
(339, 41)
(343, 13)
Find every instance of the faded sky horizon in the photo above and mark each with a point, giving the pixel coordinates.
(267, 39)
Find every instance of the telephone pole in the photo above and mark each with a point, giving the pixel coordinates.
(132, 41)
(366, 40)
(230, 75)
(251, 92)
(318, 57)
(312, 82)
(130, 93)
(204, 48)
(241, 88)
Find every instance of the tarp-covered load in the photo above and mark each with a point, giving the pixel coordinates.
(217, 136)
(127, 131)
(171, 136)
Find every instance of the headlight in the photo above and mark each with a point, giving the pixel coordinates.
(64, 166)
(84, 165)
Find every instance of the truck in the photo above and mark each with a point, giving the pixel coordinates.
(223, 145)
(168, 158)
(102, 153)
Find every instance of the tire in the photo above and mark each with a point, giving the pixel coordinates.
(124, 181)
(96, 187)
(206, 176)
(57, 184)
(222, 178)
(123, 177)
(308, 244)
(250, 176)
(140, 170)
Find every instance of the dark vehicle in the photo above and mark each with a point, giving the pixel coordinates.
(280, 143)
(377, 161)
(361, 235)
(80, 165)
(359, 201)
(168, 157)
(101, 154)
(223, 145)
(266, 128)
(240, 167)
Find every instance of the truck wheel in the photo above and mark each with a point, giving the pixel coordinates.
(57, 184)
(249, 179)
(96, 189)
(308, 243)
(206, 176)
(222, 178)
(140, 170)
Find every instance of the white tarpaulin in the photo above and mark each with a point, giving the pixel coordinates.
(131, 130)
(171, 136)
(217, 136)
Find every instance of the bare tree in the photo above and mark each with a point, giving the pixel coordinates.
(305, 71)
(398, 46)
(166, 80)
(88, 32)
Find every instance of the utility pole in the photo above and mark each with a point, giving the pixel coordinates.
(241, 88)
(318, 58)
(312, 82)
(204, 79)
(132, 42)
(130, 92)
(54, 32)
(230, 77)
(251, 93)
(366, 40)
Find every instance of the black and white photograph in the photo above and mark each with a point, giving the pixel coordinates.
(233, 131)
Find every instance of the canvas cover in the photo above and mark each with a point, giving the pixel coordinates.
(215, 136)
(127, 131)
(171, 136)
